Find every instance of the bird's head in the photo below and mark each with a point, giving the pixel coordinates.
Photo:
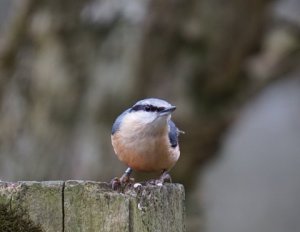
(152, 110)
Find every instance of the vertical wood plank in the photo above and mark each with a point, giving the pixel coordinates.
(158, 208)
(91, 206)
(41, 202)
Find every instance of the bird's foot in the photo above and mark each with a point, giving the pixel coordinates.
(124, 181)
(119, 184)
(115, 183)
(164, 178)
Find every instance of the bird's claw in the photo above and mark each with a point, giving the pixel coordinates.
(115, 183)
(164, 178)
(120, 183)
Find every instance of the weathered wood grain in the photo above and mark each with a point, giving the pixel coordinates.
(93, 206)
(156, 208)
(41, 202)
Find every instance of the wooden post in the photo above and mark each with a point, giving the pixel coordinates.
(92, 206)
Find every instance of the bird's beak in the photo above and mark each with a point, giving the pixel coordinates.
(167, 111)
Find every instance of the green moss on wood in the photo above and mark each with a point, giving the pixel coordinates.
(16, 220)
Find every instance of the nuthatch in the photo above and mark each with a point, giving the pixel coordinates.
(145, 138)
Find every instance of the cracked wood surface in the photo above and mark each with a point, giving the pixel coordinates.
(93, 206)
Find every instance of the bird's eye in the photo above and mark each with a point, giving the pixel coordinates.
(147, 108)
(159, 109)
(155, 108)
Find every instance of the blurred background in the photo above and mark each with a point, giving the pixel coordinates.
(232, 68)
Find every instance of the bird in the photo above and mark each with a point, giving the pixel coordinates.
(146, 139)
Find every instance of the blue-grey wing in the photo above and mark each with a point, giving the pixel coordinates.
(118, 121)
(173, 134)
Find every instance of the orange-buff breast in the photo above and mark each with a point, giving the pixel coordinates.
(151, 154)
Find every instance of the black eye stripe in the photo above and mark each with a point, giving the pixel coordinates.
(148, 108)
(137, 108)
